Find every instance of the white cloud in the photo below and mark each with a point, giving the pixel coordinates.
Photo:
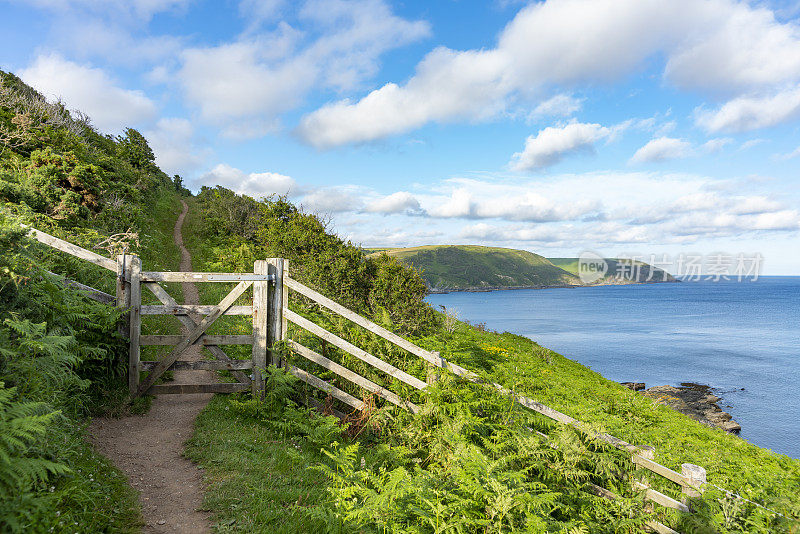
(751, 143)
(717, 45)
(661, 149)
(550, 145)
(332, 200)
(562, 105)
(254, 184)
(90, 90)
(750, 113)
(245, 85)
(715, 145)
(399, 202)
(171, 141)
(793, 154)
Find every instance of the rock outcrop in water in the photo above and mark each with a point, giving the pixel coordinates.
(695, 400)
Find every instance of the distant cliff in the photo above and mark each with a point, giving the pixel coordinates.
(478, 268)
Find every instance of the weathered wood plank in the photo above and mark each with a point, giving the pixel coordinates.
(123, 294)
(185, 309)
(375, 328)
(88, 291)
(189, 323)
(207, 321)
(205, 339)
(260, 326)
(284, 300)
(183, 276)
(318, 383)
(275, 303)
(659, 469)
(661, 528)
(660, 498)
(69, 248)
(224, 387)
(355, 351)
(135, 324)
(346, 373)
(202, 365)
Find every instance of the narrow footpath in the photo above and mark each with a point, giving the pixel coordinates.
(149, 448)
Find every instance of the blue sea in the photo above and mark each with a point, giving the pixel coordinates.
(741, 338)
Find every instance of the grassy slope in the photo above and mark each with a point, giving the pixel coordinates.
(642, 269)
(472, 266)
(237, 452)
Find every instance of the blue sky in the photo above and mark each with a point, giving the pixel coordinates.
(629, 127)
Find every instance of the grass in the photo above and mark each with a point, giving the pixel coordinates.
(257, 479)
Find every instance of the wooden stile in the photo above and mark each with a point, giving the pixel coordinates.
(204, 340)
(200, 309)
(222, 387)
(318, 383)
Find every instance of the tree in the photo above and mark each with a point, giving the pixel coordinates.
(133, 148)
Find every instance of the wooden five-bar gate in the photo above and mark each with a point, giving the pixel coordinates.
(270, 313)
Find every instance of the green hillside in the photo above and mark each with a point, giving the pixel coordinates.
(471, 460)
(451, 267)
(620, 271)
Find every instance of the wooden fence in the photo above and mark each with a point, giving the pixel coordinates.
(270, 312)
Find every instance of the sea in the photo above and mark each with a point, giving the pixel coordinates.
(742, 338)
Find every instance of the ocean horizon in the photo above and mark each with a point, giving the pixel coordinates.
(740, 338)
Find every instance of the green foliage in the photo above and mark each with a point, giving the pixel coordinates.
(241, 230)
(133, 148)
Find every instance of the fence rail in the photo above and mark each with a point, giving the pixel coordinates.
(271, 314)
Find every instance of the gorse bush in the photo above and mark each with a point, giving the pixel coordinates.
(241, 230)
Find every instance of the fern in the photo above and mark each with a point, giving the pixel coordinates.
(21, 425)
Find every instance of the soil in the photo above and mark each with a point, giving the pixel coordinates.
(149, 448)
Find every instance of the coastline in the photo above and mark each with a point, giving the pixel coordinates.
(698, 401)
(487, 289)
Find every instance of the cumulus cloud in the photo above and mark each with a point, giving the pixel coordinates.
(245, 85)
(399, 202)
(171, 141)
(254, 184)
(718, 45)
(750, 113)
(550, 145)
(90, 90)
(662, 149)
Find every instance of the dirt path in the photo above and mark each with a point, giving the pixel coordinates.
(149, 448)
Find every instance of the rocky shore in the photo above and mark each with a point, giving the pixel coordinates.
(695, 400)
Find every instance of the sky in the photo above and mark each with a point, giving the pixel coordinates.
(625, 127)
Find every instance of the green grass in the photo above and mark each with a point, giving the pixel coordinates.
(257, 479)
(471, 266)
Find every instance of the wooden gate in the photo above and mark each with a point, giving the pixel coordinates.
(266, 311)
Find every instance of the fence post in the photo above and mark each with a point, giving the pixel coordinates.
(135, 299)
(695, 476)
(260, 317)
(276, 295)
(123, 293)
(285, 301)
